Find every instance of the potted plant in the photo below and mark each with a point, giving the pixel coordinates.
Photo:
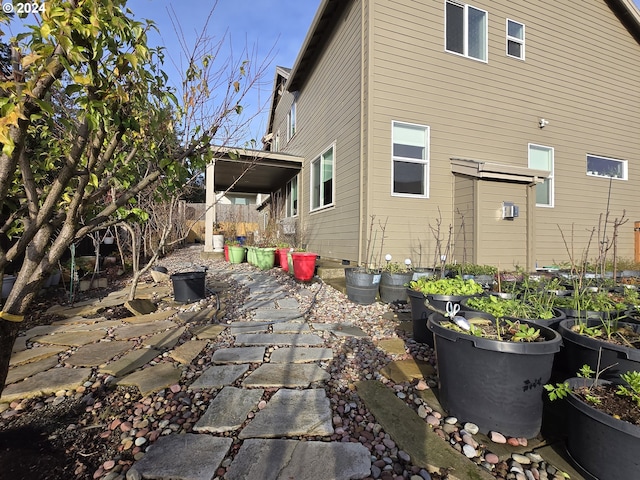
(491, 371)
(482, 274)
(362, 280)
(534, 309)
(218, 237)
(603, 423)
(394, 280)
(281, 252)
(236, 252)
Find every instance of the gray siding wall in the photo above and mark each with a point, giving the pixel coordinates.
(580, 73)
(465, 219)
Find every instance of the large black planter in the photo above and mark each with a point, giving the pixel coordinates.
(393, 286)
(188, 286)
(419, 316)
(606, 357)
(605, 447)
(362, 286)
(498, 385)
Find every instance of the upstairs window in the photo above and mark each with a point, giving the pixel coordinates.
(291, 122)
(410, 170)
(515, 39)
(606, 167)
(466, 30)
(322, 168)
(292, 197)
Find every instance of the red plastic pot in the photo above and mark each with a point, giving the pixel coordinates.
(226, 252)
(282, 258)
(304, 265)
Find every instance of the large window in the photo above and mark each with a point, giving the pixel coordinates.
(541, 158)
(515, 39)
(410, 172)
(291, 122)
(466, 30)
(606, 167)
(322, 169)
(292, 197)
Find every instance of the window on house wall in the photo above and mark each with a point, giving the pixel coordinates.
(292, 197)
(606, 167)
(410, 170)
(291, 122)
(515, 39)
(541, 158)
(466, 30)
(322, 169)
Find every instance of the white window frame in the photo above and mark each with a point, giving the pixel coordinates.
(465, 31)
(289, 198)
(425, 161)
(550, 178)
(312, 183)
(520, 41)
(292, 121)
(594, 173)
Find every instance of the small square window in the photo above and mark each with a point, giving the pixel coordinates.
(606, 167)
(515, 39)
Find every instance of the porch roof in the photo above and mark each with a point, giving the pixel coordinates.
(252, 171)
(497, 171)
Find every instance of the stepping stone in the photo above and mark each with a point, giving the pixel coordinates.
(228, 410)
(130, 362)
(45, 383)
(188, 351)
(102, 324)
(21, 372)
(140, 306)
(164, 340)
(282, 459)
(71, 339)
(288, 303)
(301, 355)
(277, 314)
(407, 370)
(153, 379)
(150, 317)
(90, 308)
(290, 375)
(207, 332)
(278, 339)
(258, 303)
(19, 344)
(393, 346)
(142, 329)
(291, 327)
(239, 355)
(34, 354)
(340, 329)
(219, 376)
(81, 320)
(290, 413)
(183, 457)
(251, 329)
(98, 353)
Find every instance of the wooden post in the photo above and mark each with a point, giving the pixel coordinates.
(636, 231)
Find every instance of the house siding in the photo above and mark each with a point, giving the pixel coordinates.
(490, 112)
(465, 219)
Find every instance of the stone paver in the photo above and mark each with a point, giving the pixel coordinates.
(407, 370)
(98, 353)
(208, 332)
(130, 362)
(239, 355)
(282, 459)
(35, 354)
(228, 410)
(235, 330)
(142, 329)
(219, 376)
(150, 317)
(164, 340)
(393, 346)
(140, 306)
(301, 355)
(20, 344)
(277, 314)
(71, 339)
(291, 413)
(183, 457)
(154, 378)
(291, 327)
(188, 351)
(45, 383)
(288, 303)
(278, 339)
(288, 375)
(340, 329)
(23, 371)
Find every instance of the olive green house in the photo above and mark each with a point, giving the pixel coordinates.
(502, 132)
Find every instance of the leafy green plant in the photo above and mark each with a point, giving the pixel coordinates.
(633, 390)
(472, 269)
(446, 286)
(523, 332)
(511, 307)
(395, 267)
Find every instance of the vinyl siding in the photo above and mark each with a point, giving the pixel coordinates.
(465, 219)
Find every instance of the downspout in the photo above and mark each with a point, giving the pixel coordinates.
(364, 76)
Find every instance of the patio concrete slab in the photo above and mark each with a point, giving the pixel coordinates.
(288, 375)
(291, 413)
(239, 355)
(277, 314)
(153, 379)
(21, 372)
(407, 370)
(98, 353)
(142, 329)
(45, 383)
(392, 346)
(219, 376)
(301, 355)
(150, 317)
(164, 340)
(188, 351)
(282, 459)
(35, 354)
(130, 362)
(413, 435)
(71, 339)
(291, 327)
(228, 410)
(183, 457)
(207, 332)
(279, 339)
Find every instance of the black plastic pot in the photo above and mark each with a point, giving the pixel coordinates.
(419, 316)
(439, 302)
(188, 286)
(362, 286)
(605, 447)
(393, 286)
(606, 357)
(498, 385)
